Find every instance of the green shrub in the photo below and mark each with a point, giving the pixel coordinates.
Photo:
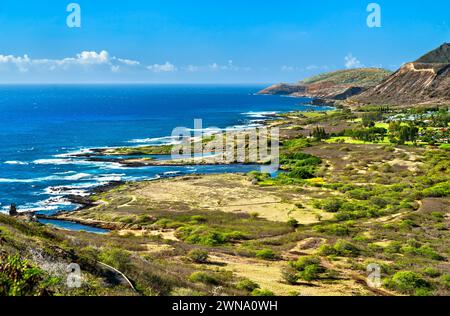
(341, 248)
(393, 247)
(408, 282)
(293, 222)
(202, 277)
(266, 254)
(198, 256)
(335, 229)
(407, 224)
(332, 205)
(346, 249)
(168, 223)
(289, 274)
(378, 201)
(310, 273)
(213, 238)
(198, 218)
(303, 262)
(19, 278)
(262, 292)
(302, 173)
(439, 190)
(428, 252)
(297, 144)
(445, 279)
(116, 257)
(424, 251)
(308, 268)
(247, 285)
(204, 235)
(327, 250)
(431, 272)
(359, 194)
(438, 215)
(144, 219)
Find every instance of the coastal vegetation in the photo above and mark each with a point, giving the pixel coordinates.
(379, 194)
(358, 186)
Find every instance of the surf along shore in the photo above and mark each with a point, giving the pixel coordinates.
(160, 156)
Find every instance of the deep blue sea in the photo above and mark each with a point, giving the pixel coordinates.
(41, 125)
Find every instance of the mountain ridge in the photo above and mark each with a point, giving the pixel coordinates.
(336, 85)
(440, 55)
(426, 80)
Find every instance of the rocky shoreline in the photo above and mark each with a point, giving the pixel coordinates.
(102, 155)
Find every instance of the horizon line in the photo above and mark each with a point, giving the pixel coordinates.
(131, 83)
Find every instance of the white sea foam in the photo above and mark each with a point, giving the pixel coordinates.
(110, 178)
(57, 161)
(33, 207)
(244, 127)
(261, 115)
(82, 162)
(81, 189)
(78, 176)
(166, 140)
(75, 177)
(13, 162)
(3, 180)
(74, 153)
(65, 172)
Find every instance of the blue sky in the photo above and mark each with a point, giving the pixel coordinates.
(233, 41)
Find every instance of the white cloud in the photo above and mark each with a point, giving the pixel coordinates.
(167, 67)
(90, 58)
(103, 61)
(84, 59)
(20, 62)
(129, 62)
(217, 67)
(352, 62)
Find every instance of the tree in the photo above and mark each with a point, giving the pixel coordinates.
(400, 134)
(319, 133)
(369, 119)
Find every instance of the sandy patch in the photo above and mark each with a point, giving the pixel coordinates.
(268, 276)
(228, 193)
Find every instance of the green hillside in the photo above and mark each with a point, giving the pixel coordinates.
(362, 77)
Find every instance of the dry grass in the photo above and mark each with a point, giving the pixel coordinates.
(268, 276)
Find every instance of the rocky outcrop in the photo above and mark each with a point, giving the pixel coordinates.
(285, 89)
(13, 210)
(426, 80)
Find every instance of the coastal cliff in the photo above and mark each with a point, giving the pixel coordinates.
(425, 80)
